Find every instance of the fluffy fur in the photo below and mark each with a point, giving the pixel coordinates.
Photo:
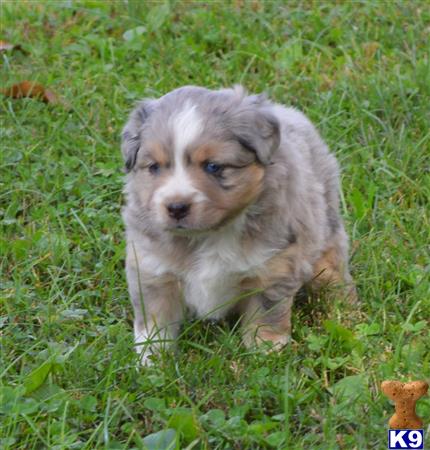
(227, 193)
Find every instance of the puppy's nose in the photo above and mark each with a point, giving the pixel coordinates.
(178, 210)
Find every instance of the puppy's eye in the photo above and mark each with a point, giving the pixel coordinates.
(212, 168)
(154, 168)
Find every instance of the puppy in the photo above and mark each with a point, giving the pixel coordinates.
(232, 204)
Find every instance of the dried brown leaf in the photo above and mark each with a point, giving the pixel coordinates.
(7, 46)
(30, 89)
(370, 49)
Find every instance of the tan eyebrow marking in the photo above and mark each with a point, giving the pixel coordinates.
(226, 153)
(158, 153)
(205, 152)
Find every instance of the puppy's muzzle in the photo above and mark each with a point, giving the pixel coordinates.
(178, 210)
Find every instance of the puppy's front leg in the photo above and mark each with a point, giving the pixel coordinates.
(267, 316)
(158, 311)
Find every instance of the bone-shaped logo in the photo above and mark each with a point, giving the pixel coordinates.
(405, 397)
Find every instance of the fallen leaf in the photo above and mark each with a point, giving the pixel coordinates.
(7, 46)
(32, 90)
(370, 49)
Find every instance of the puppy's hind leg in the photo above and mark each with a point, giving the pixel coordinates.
(330, 271)
(267, 317)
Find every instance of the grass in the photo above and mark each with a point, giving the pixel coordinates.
(361, 71)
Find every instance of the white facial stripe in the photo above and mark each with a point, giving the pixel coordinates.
(186, 127)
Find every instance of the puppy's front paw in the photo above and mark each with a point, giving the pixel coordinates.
(145, 356)
(144, 350)
(149, 346)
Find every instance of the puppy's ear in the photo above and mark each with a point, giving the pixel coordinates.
(257, 129)
(130, 137)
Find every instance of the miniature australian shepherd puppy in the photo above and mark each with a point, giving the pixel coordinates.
(227, 194)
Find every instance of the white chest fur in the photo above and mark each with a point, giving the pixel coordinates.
(212, 284)
(211, 274)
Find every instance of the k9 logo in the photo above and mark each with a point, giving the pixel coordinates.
(406, 439)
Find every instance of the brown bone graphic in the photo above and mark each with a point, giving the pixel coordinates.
(405, 396)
